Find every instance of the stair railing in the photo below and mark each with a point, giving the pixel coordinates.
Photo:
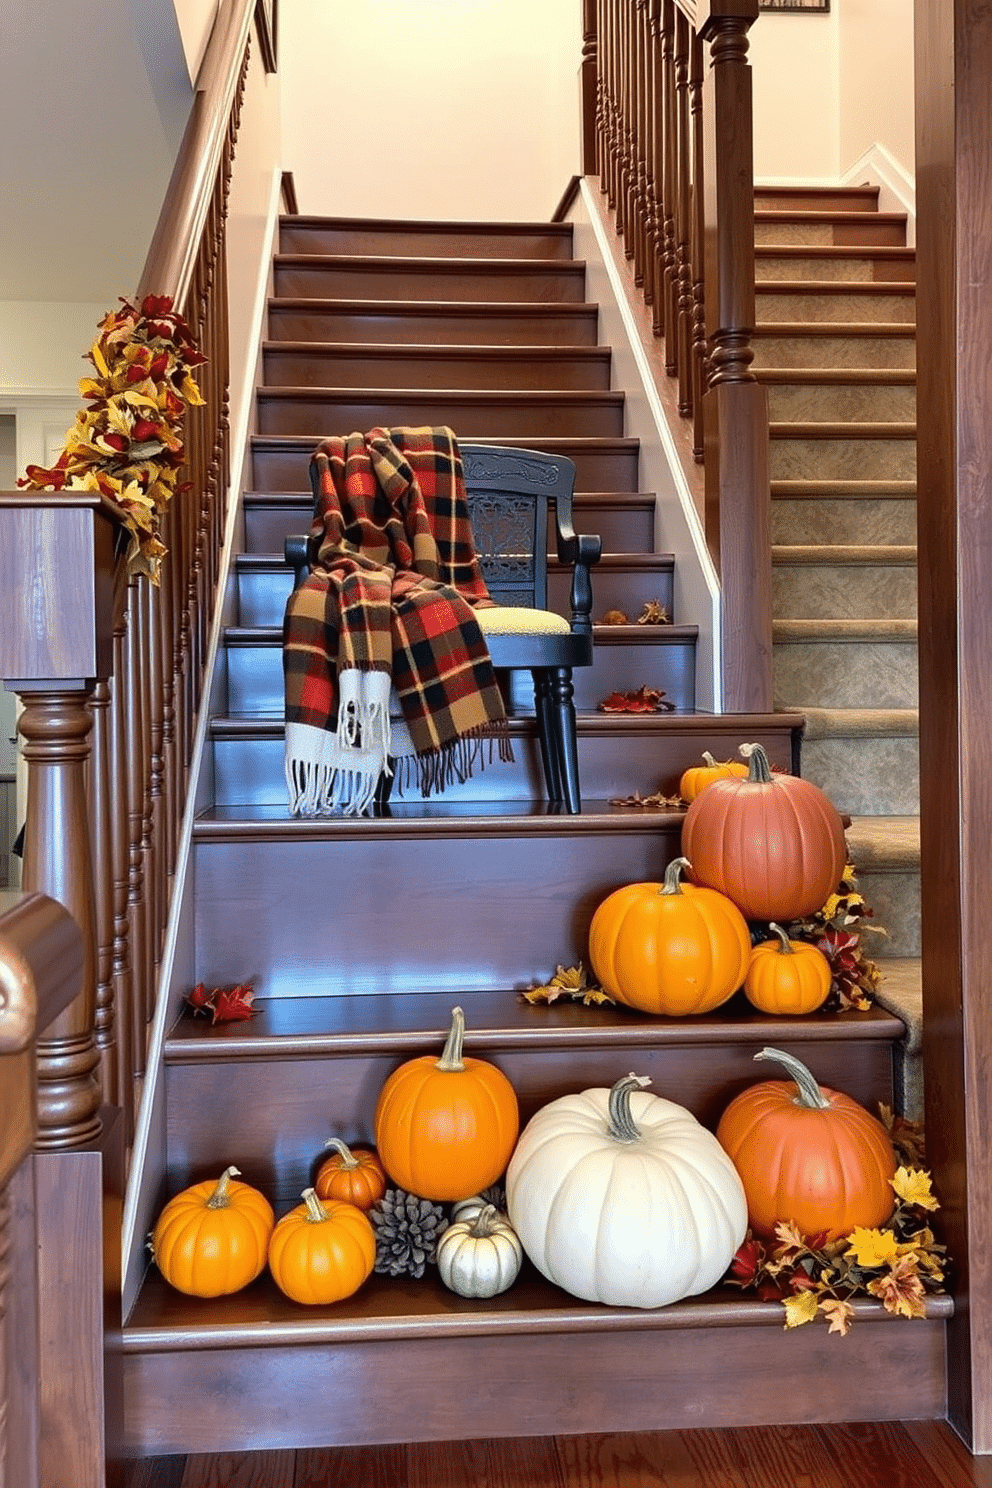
(109, 670)
(668, 129)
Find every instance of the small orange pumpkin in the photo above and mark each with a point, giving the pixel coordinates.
(212, 1239)
(353, 1175)
(774, 844)
(322, 1253)
(671, 948)
(445, 1128)
(698, 777)
(787, 976)
(808, 1155)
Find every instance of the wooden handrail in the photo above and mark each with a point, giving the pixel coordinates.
(667, 97)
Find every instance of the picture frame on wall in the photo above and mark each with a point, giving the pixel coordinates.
(815, 6)
(265, 21)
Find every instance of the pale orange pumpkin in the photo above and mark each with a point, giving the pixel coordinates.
(445, 1128)
(353, 1175)
(808, 1155)
(671, 948)
(698, 777)
(787, 976)
(322, 1253)
(211, 1239)
(773, 843)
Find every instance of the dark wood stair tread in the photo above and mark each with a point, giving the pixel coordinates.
(286, 1027)
(839, 376)
(605, 635)
(385, 1308)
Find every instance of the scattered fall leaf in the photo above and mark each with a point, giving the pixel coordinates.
(615, 617)
(656, 802)
(800, 1308)
(653, 613)
(641, 700)
(913, 1187)
(224, 1004)
(571, 982)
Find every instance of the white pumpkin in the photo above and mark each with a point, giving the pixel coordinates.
(480, 1255)
(622, 1197)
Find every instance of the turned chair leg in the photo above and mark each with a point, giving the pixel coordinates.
(548, 733)
(566, 738)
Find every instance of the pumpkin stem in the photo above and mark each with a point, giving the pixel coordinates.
(451, 1055)
(810, 1095)
(348, 1158)
(673, 876)
(220, 1198)
(785, 948)
(316, 1213)
(759, 771)
(621, 1126)
(482, 1224)
(708, 759)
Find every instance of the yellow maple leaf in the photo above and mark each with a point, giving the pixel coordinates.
(802, 1308)
(872, 1248)
(840, 1315)
(912, 1185)
(790, 1241)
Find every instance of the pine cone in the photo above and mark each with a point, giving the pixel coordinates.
(407, 1230)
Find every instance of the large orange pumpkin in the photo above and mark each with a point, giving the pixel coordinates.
(698, 777)
(672, 948)
(774, 844)
(445, 1128)
(322, 1253)
(212, 1239)
(807, 1154)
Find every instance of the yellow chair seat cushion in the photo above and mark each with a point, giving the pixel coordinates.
(518, 620)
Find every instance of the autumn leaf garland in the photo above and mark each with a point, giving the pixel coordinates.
(127, 442)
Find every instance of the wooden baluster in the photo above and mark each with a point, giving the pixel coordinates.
(120, 848)
(639, 104)
(102, 806)
(669, 250)
(133, 785)
(592, 157)
(683, 218)
(658, 160)
(699, 347)
(737, 483)
(148, 870)
(55, 726)
(651, 26)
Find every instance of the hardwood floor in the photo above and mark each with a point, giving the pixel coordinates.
(914, 1454)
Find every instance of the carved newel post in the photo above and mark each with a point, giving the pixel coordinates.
(56, 575)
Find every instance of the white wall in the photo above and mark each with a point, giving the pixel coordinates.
(833, 91)
(431, 108)
(195, 19)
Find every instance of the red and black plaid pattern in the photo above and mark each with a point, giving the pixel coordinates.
(393, 588)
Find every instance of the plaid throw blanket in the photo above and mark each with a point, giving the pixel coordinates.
(388, 604)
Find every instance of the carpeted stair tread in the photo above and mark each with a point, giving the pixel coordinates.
(844, 490)
(888, 842)
(802, 554)
(848, 629)
(901, 992)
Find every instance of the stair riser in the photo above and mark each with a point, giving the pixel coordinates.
(279, 466)
(468, 326)
(894, 898)
(262, 595)
(832, 674)
(554, 284)
(823, 520)
(498, 414)
(825, 591)
(810, 304)
(283, 1110)
(423, 240)
(250, 771)
(305, 911)
(863, 233)
(255, 681)
(623, 527)
(818, 199)
(866, 776)
(545, 1383)
(888, 403)
(834, 351)
(842, 459)
(430, 369)
(858, 268)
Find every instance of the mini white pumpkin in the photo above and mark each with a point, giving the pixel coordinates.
(622, 1197)
(479, 1255)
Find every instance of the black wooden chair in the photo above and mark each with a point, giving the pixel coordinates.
(510, 492)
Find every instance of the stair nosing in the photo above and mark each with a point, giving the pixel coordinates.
(838, 376)
(854, 630)
(790, 490)
(801, 555)
(316, 303)
(456, 351)
(836, 429)
(608, 396)
(372, 263)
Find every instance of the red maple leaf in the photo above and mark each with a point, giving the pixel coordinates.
(235, 1004)
(643, 700)
(200, 1000)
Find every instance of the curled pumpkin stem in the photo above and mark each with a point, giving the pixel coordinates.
(810, 1095)
(451, 1055)
(622, 1126)
(221, 1197)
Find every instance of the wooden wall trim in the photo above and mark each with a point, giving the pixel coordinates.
(954, 325)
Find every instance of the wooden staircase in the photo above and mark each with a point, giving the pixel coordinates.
(836, 348)
(359, 936)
